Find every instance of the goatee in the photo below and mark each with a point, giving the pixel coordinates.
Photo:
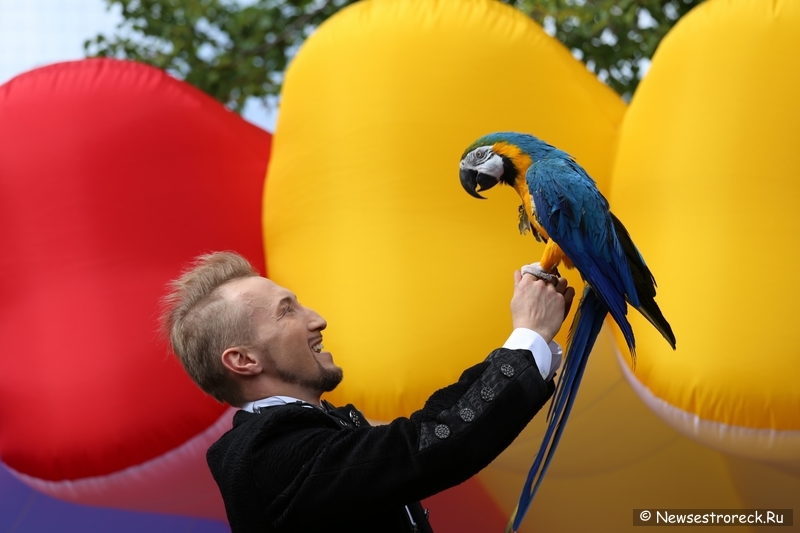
(327, 379)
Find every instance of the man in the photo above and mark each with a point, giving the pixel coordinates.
(293, 463)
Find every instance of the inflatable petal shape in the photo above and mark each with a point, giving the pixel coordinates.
(707, 178)
(112, 176)
(364, 215)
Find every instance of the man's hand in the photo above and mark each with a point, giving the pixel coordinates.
(540, 306)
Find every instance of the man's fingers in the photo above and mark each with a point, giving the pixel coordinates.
(569, 296)
(517, 277)
(561, 286)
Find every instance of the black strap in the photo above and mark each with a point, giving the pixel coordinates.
(420, 517)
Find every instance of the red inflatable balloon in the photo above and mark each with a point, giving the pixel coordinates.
(113, 175)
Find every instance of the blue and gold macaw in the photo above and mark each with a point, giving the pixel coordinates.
(562, 206)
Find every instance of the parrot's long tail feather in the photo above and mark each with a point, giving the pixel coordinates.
(586, 326)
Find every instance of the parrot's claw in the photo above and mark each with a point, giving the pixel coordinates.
(537, 271)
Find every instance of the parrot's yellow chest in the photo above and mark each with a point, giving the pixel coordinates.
(522, 162)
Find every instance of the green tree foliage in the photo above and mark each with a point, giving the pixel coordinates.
(237, 49)
(612, 37)
(231, 50)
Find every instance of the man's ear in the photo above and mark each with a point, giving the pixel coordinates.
(241, 361)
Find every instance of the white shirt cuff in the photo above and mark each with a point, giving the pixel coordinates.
(547, 356)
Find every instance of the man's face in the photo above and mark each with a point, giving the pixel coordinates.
(288, 336)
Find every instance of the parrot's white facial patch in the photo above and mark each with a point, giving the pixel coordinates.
(493, 166)
(485, 161)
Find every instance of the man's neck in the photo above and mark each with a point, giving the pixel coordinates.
(294, 395)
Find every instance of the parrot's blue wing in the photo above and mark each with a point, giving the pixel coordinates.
(575, 215)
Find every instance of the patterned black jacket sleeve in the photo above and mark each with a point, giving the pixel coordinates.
(292, 468)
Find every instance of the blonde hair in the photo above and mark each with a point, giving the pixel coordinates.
(201, 324)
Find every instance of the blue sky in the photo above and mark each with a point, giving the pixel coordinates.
(34, 33)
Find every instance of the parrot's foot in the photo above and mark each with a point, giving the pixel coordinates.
(537, 271)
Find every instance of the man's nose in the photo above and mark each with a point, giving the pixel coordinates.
(317, 322)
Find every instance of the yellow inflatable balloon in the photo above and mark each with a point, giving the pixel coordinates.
(708, 174)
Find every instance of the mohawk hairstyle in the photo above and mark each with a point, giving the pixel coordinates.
(201, 324)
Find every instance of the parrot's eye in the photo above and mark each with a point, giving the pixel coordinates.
(482, 154)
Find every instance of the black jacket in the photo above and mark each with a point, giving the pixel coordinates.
(298, 469)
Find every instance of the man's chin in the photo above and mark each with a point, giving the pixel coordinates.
(330, 378)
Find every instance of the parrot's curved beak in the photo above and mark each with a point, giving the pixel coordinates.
(471, 180)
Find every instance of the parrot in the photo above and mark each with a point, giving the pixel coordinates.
(562, 206)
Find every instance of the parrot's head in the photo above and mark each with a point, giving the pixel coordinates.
(498, 158)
